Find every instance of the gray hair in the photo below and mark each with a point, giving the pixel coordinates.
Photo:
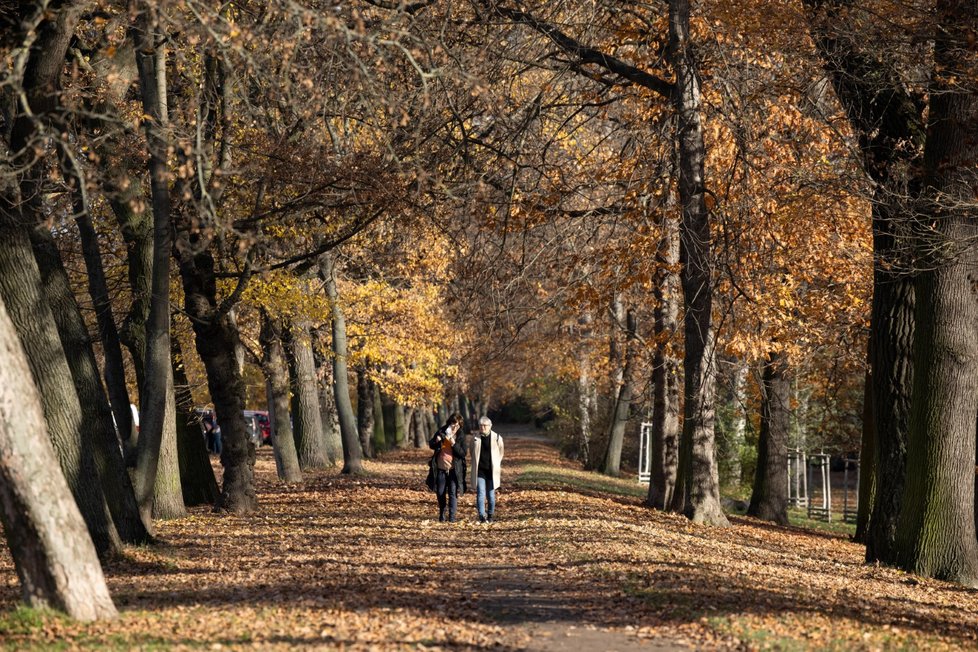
(485, 421)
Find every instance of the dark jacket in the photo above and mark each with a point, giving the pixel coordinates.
(459, 469)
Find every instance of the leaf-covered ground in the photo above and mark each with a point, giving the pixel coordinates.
(574, 561)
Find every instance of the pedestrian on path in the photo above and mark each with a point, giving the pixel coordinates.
(446, 473)
(487, 460)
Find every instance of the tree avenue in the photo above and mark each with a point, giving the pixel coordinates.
(742, 232)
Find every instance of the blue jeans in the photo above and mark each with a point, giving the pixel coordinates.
(480, 499)
(447, 492)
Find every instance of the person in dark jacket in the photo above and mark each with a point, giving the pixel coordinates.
(447, 473)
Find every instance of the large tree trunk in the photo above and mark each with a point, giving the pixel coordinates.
(616, 437)
(889, 124)
(420, 428)
(277, 374)
(22, 290)
(698, 491)
(310, 440)
(168, 501)
(365, 413)
(936, 530)
(666, 371)
(585, 381)
(341, 383)
(769, 499)
(53, 554)
(197, 482)
(400, 426)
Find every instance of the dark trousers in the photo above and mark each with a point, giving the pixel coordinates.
(447, 490)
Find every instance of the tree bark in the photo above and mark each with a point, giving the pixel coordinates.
(379, 443)
(867, 465)
(348, 423)
(400, 426)
(328, 412)
(310, 440)
(197, 482)
(738, 422)
(769, 499)
(936, 530)
(168, 501)
(157, 363)
(420, 429)
(891, 134)
(52, 552)
(97, 432)
(616, 436)
(698, 491)
(365, 413)
(666, 371)
(277, 374)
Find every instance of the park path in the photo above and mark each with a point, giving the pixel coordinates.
(538, 598)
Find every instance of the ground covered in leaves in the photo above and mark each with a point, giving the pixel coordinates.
(573, 562)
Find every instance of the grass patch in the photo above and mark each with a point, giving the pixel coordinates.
(798, 517)
(584, 481)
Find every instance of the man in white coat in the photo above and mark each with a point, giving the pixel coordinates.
(487, 458)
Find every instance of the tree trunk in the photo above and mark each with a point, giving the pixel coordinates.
(584, 392)
(113, 370)
(936, 530)
(310, 440)
(867, 465)
(616, 437)
(97, 432)
(52, 552)
(277, 374)
(197, 482)
(769, 499)
(168, 501)
(400, 426)
(698, 492)
(348, 423)
(152, 400)
(738, 422)
(328, 413)
(420, 429)
(380, 432)
(891, 134)
(365, 413)
(666, 371)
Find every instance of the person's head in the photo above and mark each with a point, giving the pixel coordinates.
(485, 425)
(454, 422)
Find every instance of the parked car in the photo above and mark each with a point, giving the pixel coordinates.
(264, 425)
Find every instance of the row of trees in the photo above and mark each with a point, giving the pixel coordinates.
(597, 215)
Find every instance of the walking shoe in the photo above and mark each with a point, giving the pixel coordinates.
(482, 520)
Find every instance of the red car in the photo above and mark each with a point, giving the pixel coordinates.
(264, 425)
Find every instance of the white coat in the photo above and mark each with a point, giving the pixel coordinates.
(497, 458)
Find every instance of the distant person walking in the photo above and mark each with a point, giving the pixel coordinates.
(487, 459)
(446, 475)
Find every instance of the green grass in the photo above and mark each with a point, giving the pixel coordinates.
(583, 481)
(798, 517)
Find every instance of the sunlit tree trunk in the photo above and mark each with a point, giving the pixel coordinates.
(328, 414)
(168, 501)
(47, 537)
(769, 499)
(341, 384)
(626, 394)
(310, 441)
(277, 373)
